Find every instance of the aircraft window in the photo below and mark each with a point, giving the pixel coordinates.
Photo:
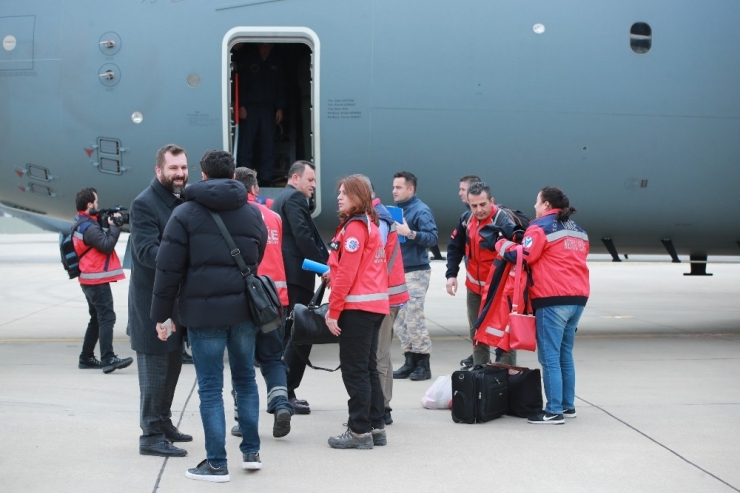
(641, 38)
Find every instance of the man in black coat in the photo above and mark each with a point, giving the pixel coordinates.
(197, 272)
(301, 240)
(159, 362)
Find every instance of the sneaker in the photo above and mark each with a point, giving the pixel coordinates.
(206, 472)
(569, 413)
(90, 363)
(544, 418)
(251, 462)
(116, 363)
(281, 427)
(467, 363)
(379, 438)
(236, 431)
(162, 448)
(387, 417)
(350, 439)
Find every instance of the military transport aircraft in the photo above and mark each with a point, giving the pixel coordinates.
(631, 107)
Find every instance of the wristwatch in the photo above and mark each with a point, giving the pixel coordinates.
(411, 235)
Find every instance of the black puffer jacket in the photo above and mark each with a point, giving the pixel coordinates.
(194, 264)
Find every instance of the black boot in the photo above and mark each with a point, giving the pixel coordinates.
(422, 370)
(407, 367)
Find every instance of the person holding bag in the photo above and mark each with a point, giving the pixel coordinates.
(358, 302)
(555, 249)
(197, 271)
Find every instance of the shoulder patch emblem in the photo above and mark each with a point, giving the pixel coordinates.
(527, 242)
(351, 244)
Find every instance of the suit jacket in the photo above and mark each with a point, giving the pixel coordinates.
(301, 238)
(150, 212)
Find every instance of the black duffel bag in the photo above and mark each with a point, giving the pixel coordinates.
(309, 322)
(525, 390)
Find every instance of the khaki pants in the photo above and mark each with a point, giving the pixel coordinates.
(385, 367)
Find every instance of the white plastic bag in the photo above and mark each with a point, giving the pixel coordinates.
(439, 395)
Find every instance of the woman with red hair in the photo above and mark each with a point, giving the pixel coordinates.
(358, 302)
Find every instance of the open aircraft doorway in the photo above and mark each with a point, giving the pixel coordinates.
(271, 119)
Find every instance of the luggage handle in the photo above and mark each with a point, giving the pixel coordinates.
(508, 367)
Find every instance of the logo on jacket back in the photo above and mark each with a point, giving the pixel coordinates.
(575, 244)
(527, 242)
(380, 256)
(272, 236)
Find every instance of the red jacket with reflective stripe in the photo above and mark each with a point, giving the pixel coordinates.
(479, 260)
(272, 262)
(556, 255)
(398, 292)
(359, 273)
(96, 267)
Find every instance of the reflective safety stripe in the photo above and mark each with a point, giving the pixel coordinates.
(567, 233)
(276, 392)
(504, 246)
(401, 288)
(474, 280)
(78, 235)
(356, 298)
(495, 332)
(393, 258)
(101, 275)
(281, 284)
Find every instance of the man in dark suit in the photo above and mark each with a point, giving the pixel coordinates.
(301, 240)
(159, 362)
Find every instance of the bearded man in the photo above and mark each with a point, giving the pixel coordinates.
(159, 362)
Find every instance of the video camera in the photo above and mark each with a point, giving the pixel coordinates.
(104, 214)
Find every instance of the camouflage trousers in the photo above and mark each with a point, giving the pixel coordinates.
(410, 325)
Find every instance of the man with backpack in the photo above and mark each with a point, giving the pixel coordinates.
(484, 226)
(99, 266)
(456, 246)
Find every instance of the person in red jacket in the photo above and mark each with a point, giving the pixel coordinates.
(358, 302)
(269, 347)
(99, 266)
(486, 225)
(555, 250)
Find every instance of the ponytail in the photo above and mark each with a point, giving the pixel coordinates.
(558, 200)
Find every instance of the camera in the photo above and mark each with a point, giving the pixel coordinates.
(104, 214)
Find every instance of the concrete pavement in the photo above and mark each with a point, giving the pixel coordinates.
(657, 358)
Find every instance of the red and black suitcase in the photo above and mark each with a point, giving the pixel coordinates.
(480, 394)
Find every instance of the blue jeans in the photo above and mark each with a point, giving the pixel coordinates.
(556, 334)
(208, 356)
(269, 354)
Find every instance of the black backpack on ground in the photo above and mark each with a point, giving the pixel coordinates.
(70, 259)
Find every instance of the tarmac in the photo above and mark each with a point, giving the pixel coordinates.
(658, 400)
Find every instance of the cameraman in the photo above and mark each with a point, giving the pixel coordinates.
(99, 266)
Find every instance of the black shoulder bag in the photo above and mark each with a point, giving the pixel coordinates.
(263, 301)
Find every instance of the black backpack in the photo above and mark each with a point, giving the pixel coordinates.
(517, 217)
(70, 259)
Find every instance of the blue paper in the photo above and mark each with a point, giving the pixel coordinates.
(316, 267)
(397, 215)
